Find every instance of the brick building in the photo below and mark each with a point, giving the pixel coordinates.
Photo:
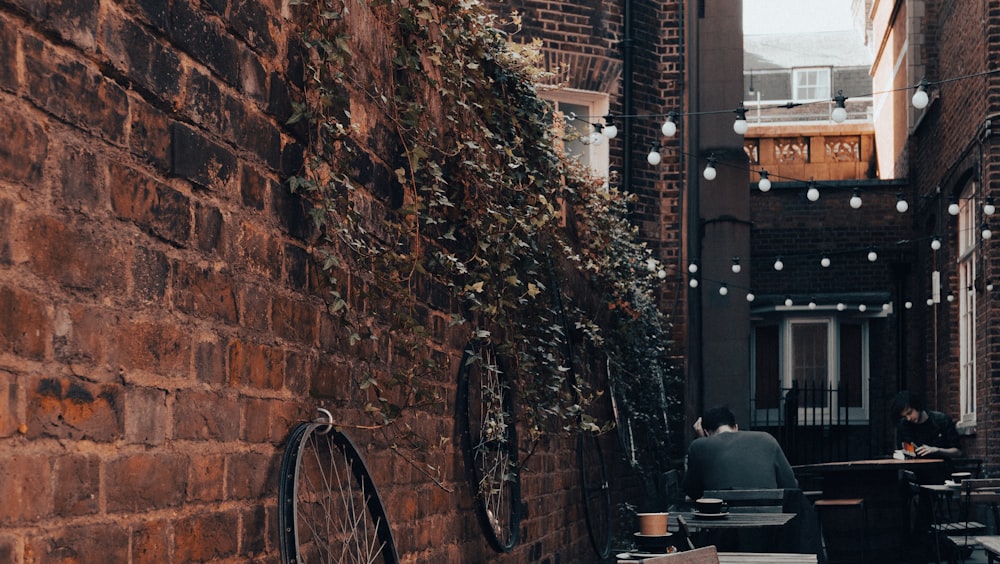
(162, 320)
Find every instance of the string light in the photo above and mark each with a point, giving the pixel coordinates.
(901, 204)
(862, 308)
(736, 268)
(788, 301)
(839, 114)
(856, 198)
(872, 256)
(751, 297)
(778, 265)
(693, 283)
(693, 267)
(825, 262)
(908, 304)
(709, 173)
(765, 183)
(841, 306)
(953, 207)
(653, 157)
(610, 129)
(669, 127)
(813, 192)
(988, 207)
(723, 290)
(920, 98)
(986, 231)
(936, 243)
(740, 126)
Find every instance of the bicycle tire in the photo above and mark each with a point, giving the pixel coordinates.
(488, 427)
(329, 508)
(596, 492)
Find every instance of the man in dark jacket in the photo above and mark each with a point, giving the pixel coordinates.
(931, 433)
(727, 458)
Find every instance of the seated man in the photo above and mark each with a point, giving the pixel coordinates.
(723, 457)
(931, 433)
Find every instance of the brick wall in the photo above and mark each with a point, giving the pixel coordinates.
(162, 323)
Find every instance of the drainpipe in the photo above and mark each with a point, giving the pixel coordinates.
(627, 97)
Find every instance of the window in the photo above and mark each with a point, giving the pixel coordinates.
(589, 108)
(968, 235)
(811, 84)
(813, 369)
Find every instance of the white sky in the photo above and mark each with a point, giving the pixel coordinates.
(795, 16)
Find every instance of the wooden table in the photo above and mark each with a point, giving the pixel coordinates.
(877, 481)
(991, 544)
(728, 558)
(735, 520)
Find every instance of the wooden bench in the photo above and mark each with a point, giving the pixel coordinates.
(991, 544)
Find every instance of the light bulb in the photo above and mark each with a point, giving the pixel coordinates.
(709, 173)
(987, 232)
(653, 157)
(740, 126)
(651, 264)
(661, 274)
(872, 256)
(825, 262)
(596, 138)
(908, 305)
(951, 297)
(839, 114)
(920, 98)
(812, 304)
(862, 307)
(788, 302)
(765, 183)
(953, 208)
(936, 243)
(751, 297)
(693, 267)
(736, 268)
(988, 207)
(610, 129)
(723, 290)
(930, 301)
(812, 193)
(669, 128)
(901, 204)
(693, 283)
(841, 306)
(856, 199)
(778, 265)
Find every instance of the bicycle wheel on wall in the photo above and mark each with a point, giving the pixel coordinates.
(596, 491)
(328, 508)
(487, 425)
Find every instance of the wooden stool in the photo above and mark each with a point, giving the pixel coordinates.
(825, 508)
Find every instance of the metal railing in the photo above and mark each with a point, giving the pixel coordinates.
(814, 423)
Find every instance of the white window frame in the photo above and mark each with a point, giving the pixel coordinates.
(819, 415)
(968, 241)
(596, 104)
(798, 78)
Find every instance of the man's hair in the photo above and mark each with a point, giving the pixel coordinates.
(906, 399)
(717, 417)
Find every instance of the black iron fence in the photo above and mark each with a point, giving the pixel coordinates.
(815, 423)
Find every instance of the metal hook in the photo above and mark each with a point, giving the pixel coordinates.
(324, 414)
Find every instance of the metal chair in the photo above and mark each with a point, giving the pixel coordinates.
(828, 510)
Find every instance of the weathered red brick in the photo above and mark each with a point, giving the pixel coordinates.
(23, 147)
(26, 489)
(141, 482)
(81, 181)
(8, 52)
(204, 415)
(25, 323)
(163, 348)
(206, 478)
(296, 320)
(71, 408)
(89, 544)
(72, 91)
(152, 205)
(255, 532)
(151, 541)
(201, 538)
(146, 416)
(77, 485)
(210, 362)
(77, 256)
(256, 365)
(250, 475)
(204, 292)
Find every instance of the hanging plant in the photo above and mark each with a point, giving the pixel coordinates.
(474, 204)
